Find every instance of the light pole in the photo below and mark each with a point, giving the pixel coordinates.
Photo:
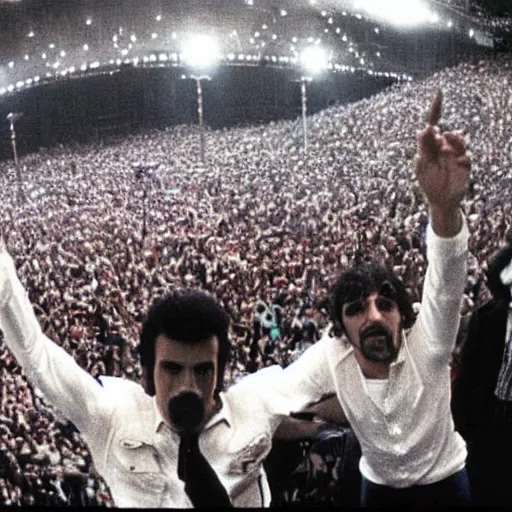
(12, 117)
(200, 112)
(303, 88)
(313, 61)
(200, 54)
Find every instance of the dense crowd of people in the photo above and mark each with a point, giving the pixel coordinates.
(261, 225)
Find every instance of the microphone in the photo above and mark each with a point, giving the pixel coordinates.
(186, 411)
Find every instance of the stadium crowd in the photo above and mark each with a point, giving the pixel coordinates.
(262, 226)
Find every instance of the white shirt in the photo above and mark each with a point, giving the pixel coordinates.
(377, 389)
(408, 438)
(133, 450)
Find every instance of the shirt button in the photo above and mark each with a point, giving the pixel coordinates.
(399, 450)
(395, 430)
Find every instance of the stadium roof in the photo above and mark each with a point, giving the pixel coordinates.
(46, 38)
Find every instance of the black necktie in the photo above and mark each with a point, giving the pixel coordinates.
(201, 482)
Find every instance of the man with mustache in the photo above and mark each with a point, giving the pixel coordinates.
(389, 372)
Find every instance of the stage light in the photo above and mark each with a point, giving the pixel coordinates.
(396, 12)
(200, 52)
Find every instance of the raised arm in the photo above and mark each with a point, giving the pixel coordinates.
(75, 393)
(442, 168)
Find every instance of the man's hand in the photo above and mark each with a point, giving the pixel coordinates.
(442, 168)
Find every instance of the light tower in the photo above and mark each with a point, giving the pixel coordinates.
(12, 117)
(200, 54)
(313, 61)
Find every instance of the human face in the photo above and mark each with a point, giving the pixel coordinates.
(373, 326)
(185, 370)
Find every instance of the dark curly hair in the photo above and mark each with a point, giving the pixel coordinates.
(189, 316)
(362, 280)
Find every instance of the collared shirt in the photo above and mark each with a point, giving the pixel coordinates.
(408, 438)
(133, 450)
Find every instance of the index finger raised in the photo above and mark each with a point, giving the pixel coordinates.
(434, 114)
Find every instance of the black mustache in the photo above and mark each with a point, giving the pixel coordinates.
(186, 411)
(375, 330)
